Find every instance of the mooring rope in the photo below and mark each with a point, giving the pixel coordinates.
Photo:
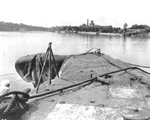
(77, 84)
(138, 65)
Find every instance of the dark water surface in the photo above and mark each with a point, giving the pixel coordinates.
(14, 45)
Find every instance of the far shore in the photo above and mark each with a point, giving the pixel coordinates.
(109, 34)
(96, 33)
(93, 33)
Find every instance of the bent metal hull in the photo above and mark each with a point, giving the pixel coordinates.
(92, 87)
(29, 67)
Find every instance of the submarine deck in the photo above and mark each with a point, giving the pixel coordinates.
(121, 95)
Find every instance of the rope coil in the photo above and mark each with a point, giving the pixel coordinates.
(16, 99)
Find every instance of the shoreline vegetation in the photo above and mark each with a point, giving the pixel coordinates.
(92, 29)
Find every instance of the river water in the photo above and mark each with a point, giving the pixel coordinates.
(14, 45)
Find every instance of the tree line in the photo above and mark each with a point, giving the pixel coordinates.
(84, 28)
(8, 26)
(98, 28)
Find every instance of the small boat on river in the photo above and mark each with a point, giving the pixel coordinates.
(89, 86)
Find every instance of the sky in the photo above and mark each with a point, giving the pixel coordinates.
(48, 13)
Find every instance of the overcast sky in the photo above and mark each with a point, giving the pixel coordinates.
(75, 12)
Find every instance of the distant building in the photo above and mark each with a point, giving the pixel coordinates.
(92, 23)
(87, 22)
